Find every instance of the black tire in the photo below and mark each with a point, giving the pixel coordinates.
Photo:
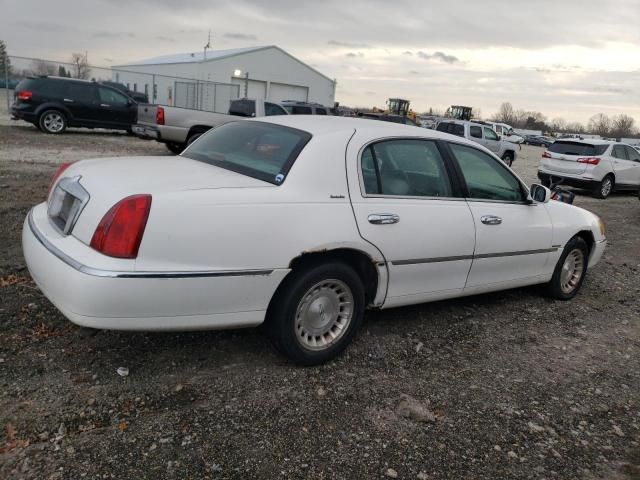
(555, 286)
(193, 138)
(603, 189)
(281, 325)
(508, 158)
(52, 121)
(176, 148)
(546, 181)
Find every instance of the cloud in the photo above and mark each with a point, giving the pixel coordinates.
(239, 36)
(106, 35)
(439, 56)
(354, 55)
(164, 38)
(409, 53)
(337, 43)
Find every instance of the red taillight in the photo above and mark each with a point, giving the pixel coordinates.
(589, 160)
(120, 231)
(57, 175)
(160, 116)
(546, 154)
(25, 95)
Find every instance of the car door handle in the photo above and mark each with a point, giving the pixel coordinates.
(104, 105)
(383, 218)
(68, 100)
(491, 220)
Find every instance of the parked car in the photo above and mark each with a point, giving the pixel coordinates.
(482, 134)
(139, 97)
(598, 165)
(55, 103)
(302, 223)
(388, 117)
(304, 108)
(177, 127)
(636, 148)
(538, 140)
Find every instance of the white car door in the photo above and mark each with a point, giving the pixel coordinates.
(513, 237)
(627, 169)
(407, 206)
(491, 140)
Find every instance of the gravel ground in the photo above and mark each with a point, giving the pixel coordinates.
(503, 386)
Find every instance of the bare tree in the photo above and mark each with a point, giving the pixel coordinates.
(42, 67)
(575, 127)
(558, 124)
(600, 124)
(476, 113)
(80, 66)
(622, 126)
(505, 114)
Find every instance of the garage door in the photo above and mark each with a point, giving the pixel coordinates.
(257, 88)
(281, 91)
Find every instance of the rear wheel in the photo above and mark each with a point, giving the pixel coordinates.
(316, 312)
(52, 121)
(604, 188)
(508, 158)
(176, 148)
(193, 138)
(570, 270)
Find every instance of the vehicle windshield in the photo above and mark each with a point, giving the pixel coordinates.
(260, 150)
(565, 147)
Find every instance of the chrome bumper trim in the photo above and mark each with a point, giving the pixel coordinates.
(98, 272)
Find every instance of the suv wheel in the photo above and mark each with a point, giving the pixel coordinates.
(508, 158)
(52, 121)
(604, 188)
(316, 312)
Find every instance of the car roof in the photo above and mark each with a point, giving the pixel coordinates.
(589, 141)
(322, 125)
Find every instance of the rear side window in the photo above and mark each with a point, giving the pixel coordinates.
(405, 168)
(256, 149)
(82, 93)
(620, 152)
(300, 110)
(321, 111)
(567, 147)
(54, 89)
(452, 128)
(476, 132)
(486, 178)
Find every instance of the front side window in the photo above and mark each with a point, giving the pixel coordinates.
(256, 149)
(475, 131)
(489, 134)
(632, 154)
(111, 97)
(84, 93)
(486, 178)
(409, 168)
(271, 109)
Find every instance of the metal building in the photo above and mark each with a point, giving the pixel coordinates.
(209, 82)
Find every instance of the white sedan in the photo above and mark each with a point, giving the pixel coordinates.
(300, 222)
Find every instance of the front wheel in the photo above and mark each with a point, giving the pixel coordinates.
(570, 270)
(316, 312)
(52, 121)
(604, 188)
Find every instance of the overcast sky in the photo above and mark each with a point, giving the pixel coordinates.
(567, 58)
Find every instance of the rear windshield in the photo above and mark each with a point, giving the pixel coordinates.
(243, 108)
(566, 147)
(259, 150)
(298, 110)
(452, 128)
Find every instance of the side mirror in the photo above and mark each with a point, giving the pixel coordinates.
(499, 137)
(540, 193)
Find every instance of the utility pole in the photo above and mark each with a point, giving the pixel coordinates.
(208, 45)
(246, 85)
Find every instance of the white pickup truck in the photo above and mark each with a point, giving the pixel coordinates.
(483, 134)
(177, 127)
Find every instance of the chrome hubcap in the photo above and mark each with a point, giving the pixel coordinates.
(53, 122)
(572, 271)
(606, 187)
(324, 314)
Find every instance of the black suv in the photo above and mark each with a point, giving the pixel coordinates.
(137, 96)
(295, 107)
(55, 103)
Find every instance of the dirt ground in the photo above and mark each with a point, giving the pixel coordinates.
(503, 386)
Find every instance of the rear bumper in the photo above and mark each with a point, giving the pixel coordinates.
(22, 114)
(568, 180)
(108, 299)
(144, 131)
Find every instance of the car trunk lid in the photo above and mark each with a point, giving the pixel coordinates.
(147, 114)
